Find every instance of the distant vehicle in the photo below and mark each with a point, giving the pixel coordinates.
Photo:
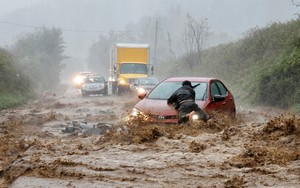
(128, 62)
(79, 78)
(94, 85)
(211, 96)
(144, 85)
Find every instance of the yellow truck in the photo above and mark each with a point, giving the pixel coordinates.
(127, 63)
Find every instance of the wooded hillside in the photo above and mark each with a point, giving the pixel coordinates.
(263, 68)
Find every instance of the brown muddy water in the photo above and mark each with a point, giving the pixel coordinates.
(65, 140)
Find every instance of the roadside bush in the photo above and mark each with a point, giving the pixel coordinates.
(15, 88)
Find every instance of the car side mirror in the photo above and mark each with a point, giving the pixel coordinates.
(142, 95)
(218, 98)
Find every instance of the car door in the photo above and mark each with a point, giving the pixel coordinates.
(214, 90)
(220, 99)
(228, 105)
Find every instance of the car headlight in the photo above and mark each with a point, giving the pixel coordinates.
(134, 112)
(78, 80)
(195, 117)
(137, 116)
(111, 79)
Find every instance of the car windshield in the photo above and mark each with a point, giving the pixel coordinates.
(131, 68)
(147, 81)
(94, 80)
(165, 89)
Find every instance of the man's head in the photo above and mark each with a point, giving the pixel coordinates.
(186, 83)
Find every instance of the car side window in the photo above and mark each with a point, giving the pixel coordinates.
(222, 88)
(214, 89)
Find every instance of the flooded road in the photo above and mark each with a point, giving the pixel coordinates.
(66, 140)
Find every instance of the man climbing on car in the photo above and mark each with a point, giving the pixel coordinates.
(183, 100)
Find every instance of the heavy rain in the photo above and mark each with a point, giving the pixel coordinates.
(81, 104)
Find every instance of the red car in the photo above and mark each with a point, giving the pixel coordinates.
(211, 96)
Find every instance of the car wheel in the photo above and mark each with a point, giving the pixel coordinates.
(84, 94)
(105, 92)
(119, 91)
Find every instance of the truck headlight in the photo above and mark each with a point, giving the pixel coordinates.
(122, 81)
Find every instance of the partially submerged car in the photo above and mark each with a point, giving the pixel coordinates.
(211, 96)
(94, 85)
(145, 84)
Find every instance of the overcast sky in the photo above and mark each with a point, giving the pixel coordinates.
(230, 16)
(7, 6)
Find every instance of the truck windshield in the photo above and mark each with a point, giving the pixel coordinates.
(133, 68)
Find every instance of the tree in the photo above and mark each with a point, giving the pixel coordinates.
(195, 36)
(7, 71)
(11, 79)
(39, 55)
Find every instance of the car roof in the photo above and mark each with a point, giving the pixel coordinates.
(148, 77)
(85, 73)
(192, 79)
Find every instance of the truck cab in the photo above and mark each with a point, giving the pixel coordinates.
(128, 62)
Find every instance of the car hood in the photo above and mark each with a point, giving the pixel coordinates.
(158, 107)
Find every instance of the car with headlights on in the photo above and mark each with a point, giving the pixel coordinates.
(94, 85)
(145, 84)
(212, 96)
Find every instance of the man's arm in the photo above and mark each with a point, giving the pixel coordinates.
(171, 99)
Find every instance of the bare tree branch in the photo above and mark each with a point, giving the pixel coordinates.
(194, 37)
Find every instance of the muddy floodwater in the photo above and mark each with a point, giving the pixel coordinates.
(66, 140)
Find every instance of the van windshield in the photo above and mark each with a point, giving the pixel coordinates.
(133, 68)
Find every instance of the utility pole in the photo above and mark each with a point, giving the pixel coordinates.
(155, 44)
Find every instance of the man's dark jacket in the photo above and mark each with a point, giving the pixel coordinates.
(184, 93)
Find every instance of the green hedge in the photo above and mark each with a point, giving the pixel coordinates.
(279, 85)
